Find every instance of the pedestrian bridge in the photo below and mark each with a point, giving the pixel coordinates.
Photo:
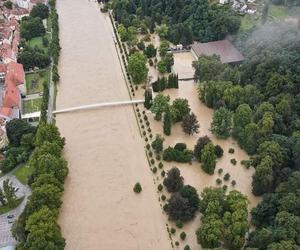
(97, 105)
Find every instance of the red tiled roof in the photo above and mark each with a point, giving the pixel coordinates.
(12, 96)
(19, 11)
(224, 48)
(15, 72)
(5, 111)
(3, 68)
(5, 51)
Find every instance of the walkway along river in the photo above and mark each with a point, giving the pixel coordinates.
(103, 146)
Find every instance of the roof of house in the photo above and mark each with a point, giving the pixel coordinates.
(224, 48)
(19, 11)
(12, 96)
(5, 111)
(3, 68)
(15, 73)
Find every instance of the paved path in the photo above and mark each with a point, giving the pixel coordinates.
(6, 238)
(32, 96)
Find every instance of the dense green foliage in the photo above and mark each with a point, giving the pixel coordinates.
(208, 158)
(137, 67)
(40, 10)
(37, 227)
(264, 95)
(225, 219)
(33, 57)
(179, 21)
(179, 155)
(165, 83)
(157, 144)
(190, 124)
(32, 27)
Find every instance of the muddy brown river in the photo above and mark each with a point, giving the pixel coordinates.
(103, 147)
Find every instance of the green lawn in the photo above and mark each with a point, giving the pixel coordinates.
(33, 105)
(22, 173)
(38, 42)
(34, 81)
(277, 12)
(248, 22)
(4, 209)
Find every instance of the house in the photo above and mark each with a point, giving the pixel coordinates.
(224, 48)
(18, 13)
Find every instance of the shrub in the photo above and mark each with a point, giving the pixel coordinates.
(146, 139)
(171, 154)
(225, 187)
(220, 170)
(148, 146)
(202, 141)
(219, 151)
(173, 230)
(160, 187)
(146, 118)
(157, 144)
(163, 197)
(179, 224)
(147, 123)
(218, 181)
(176, 243)
(160, 165)
(163, 173)
(246, 163)
(142, 126)
(143, 113)
(154, 170)
(233, 161)
(226, 177)
(150, 154)
(187, 247)
(158, 157)
(149, 130)
(233, 183)
(152, 161)
(150, 136)
(183, 235)
(137, 188)
(180, 146)
(231, 151)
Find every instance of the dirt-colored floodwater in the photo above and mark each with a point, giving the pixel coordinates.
(103, 147)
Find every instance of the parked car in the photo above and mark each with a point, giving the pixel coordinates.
(10, 216)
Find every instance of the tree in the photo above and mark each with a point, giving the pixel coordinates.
(162, 67)
(31, 27)
(160, 105)
(15, 129)
(45, 196)
(221, 124)
(8, 4)
(148, 98)
(241, 118)
(173, 181)
(137, 67)
(48, 132)
(40, 10)
(207, 68)
(263, 178)
(157, 144)
(208, 159)
(286, 245)
(43, 231)
(190, 124)
(201, 142)
(150, 51)
(163, 48)
(183, 205)
(162, 30)
(122, 33)
(209, 235)
(9, 192)
(179, 109)
(167, 122)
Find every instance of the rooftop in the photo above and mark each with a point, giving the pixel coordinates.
(224, 48)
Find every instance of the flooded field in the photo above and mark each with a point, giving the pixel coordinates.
(103, 147)
(193, 174)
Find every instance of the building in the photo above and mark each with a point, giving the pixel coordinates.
(224, 48)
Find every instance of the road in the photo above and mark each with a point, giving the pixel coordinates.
(6, 238)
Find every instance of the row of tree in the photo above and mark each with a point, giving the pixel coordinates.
(165, 83)
(37, 227)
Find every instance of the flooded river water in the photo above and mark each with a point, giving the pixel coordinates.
(103, 147)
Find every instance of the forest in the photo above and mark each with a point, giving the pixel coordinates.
(263, 97)
(184, 20)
